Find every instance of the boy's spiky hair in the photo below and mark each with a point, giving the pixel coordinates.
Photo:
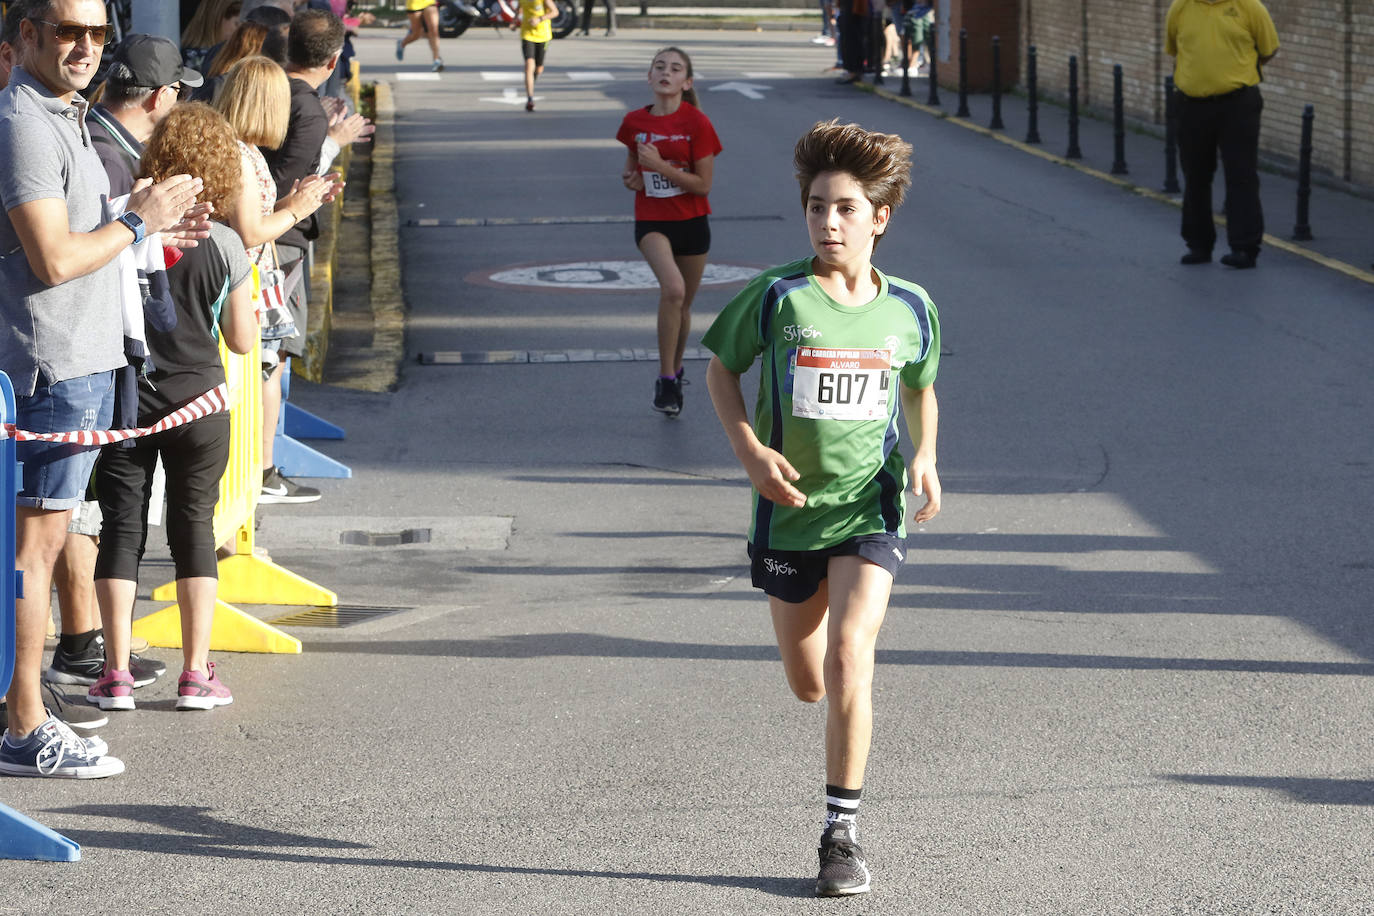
(880, 163)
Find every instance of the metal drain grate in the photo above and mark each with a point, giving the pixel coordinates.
(385, 538)
(343, 615)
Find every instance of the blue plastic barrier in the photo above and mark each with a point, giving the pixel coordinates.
(295, 458)
(20, 836)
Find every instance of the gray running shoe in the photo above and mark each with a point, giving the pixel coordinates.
(843, 869)
(277, 488)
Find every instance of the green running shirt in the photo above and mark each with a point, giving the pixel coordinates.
(828, 398)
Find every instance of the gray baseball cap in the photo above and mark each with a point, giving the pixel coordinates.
(150, 61)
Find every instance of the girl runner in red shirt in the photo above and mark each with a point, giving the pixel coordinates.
(671, 152)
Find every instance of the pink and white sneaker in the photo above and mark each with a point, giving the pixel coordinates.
(200, 691)
(112, 690)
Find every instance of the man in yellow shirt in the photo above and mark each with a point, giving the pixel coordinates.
(1219, 47)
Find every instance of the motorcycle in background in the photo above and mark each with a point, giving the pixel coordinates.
(456, 15)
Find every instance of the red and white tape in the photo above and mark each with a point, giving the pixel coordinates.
(212, 401)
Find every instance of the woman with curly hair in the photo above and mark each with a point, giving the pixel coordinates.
(211, 296)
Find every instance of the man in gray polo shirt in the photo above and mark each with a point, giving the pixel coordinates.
(63, 335)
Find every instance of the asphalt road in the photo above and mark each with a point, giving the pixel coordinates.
(1127, 669)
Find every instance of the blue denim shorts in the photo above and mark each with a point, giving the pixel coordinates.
(56, 473)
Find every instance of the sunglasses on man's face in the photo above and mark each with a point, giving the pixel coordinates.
(183, 92)
(72, 32)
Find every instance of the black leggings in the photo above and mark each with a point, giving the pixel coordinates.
(194, 456)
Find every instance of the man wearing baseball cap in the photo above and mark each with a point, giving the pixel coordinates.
(145, 79)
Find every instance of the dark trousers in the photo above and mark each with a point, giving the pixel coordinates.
(194, 456)
(587, 15)
(1228, 124)
(853, 40)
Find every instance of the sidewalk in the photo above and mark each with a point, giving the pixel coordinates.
(1340, 221)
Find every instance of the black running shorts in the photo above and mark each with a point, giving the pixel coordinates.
(686, 236)
(795, 575)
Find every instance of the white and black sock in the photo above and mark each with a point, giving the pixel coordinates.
(841, 805)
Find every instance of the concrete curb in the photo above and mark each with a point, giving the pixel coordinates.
(1125, 184)
(369, 316)
(388, 303)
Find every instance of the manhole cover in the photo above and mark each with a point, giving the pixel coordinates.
(385, 538)
(343, 615)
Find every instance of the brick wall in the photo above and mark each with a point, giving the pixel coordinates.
(1325, 59)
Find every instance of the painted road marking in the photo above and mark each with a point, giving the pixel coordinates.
(767, 75)
(502, 76)
(621, 218)
(417, 77)
(748, 90)
(598, 276)
(509, 96)
(524, 357)
(588, 75)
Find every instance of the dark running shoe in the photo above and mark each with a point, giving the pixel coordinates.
(82, 718)
(87, 668)
(843, 869)
(667, 396)
(279, 489)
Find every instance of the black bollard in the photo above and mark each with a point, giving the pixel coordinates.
(1170, 139)
(1118, 124)
(1302, 230)
(933, 74)
(996, 83)
(1032, 100)
(1074, 152)
(906, 58)
(877, 55)
(963, 75)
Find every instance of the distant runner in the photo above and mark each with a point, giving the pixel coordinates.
(672, 152)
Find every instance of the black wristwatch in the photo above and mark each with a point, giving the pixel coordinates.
(134, 223)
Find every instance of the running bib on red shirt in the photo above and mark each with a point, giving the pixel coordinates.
(682, 139)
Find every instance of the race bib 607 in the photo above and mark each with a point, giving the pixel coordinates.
(830, 383)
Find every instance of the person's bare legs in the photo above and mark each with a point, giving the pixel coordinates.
(196, 598)
(859, 592)
(529, 77)
(829, 653)
(431, 18)
(116, 597)
(672, 294)
(691, 266)
(416, 28)
(74, 576)
(39, 535)
(271, 410)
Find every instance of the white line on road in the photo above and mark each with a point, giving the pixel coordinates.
(417, 77)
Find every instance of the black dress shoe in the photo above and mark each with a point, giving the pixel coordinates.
(1196, 256)
(1240, 260)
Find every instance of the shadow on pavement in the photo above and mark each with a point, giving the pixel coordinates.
(204, 835)
(595, 645)
(1312, 791)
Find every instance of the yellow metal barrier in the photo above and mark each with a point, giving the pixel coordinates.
(243, 577)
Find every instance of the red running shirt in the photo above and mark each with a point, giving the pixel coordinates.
(681, 138)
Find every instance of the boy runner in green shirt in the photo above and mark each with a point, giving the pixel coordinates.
(841, 346)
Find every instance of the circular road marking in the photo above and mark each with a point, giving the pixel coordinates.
(599, 276)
